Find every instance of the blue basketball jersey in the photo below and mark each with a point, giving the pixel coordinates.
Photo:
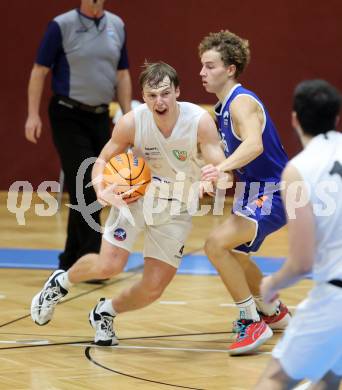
(269, 165)
(257, 194)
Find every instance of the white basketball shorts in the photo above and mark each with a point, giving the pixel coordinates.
(312, 344)
(164, 236)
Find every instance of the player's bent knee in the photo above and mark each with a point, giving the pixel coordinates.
(154, 290)
(108, 268)
(155, 293)
(212, 247)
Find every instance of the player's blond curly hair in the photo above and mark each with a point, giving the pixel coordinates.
(233, 49)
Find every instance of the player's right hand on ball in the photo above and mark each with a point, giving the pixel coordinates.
(107, 197)
(131, 200)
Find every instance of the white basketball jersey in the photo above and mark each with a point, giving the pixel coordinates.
(320, 165)
(172, 159)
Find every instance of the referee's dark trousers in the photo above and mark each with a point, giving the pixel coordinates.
(78, 135)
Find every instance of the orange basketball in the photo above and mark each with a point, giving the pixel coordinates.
(128, 172)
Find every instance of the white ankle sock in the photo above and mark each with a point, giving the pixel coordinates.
(248, 310)
(267, 308)
(107, 306)
(64, 280)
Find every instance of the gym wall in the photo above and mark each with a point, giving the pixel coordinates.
(290, 41)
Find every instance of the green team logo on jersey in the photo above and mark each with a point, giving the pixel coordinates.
(180, 155)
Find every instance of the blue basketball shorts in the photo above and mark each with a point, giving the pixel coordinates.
(268, 213)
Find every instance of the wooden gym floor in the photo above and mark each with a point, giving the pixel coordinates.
(180, 341)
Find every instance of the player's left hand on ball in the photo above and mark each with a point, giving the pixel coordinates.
(267, 290)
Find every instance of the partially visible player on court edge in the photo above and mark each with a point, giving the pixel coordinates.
(311, 346)
(86, 50)
(166, 133)
(256, 156)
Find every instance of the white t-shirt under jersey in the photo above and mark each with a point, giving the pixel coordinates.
(171, 159)
(320, 165)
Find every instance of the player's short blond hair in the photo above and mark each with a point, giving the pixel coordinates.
(154, 73)
(233, 49)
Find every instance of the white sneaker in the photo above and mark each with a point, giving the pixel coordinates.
(43, 304)
(102, 322)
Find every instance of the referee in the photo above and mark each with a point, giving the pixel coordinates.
(86, 51)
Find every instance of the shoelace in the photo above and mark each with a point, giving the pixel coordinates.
(107, 325)
(236, 326)
(240, 327)
(52, 295)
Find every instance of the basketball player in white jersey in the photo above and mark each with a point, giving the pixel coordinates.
(166, 133)
(312, 344)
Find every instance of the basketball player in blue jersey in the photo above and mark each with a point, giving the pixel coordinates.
(255, 155)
